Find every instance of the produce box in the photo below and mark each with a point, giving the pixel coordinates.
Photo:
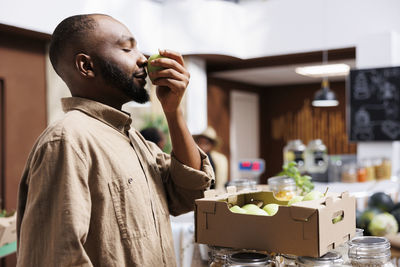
(305, 228)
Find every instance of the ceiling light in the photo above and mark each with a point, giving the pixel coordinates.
(325, 97)
(325, 70)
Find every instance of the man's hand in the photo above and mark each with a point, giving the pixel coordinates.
(171, 81)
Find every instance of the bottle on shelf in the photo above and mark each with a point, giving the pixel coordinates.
(316, 157)
(294, 151)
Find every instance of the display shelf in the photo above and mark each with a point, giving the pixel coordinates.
(362, 191)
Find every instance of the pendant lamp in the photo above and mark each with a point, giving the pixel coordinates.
(325, 97)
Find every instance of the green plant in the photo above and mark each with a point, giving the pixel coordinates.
(4, 213)
(303, 182)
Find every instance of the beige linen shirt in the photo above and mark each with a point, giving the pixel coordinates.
(95, 193)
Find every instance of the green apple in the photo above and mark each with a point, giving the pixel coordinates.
(313, 195)
(237, 209)
(250, 207)
(150, 67)
(258, 212)
(271, 208)
(254, 210)
(295, 199)
(337, 219)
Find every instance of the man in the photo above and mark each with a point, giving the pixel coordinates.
(208, 141)
(94, 192)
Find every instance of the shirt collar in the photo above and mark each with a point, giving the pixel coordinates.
(115, 118)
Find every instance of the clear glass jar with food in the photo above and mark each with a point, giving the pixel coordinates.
(249, 259)
(294, 151)
(330, 259)
(316, 157)
(370, 251)
(361, 172)
(219, 256)
(386, 168)
(349, 173)
(284, 187)
(370, 169)
(379, 171)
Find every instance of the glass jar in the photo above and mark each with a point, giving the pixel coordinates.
(330, 259)
(370, 251)
(219, 256)
(344, 248)
(361, 172)
(316, 157)
(249, 259)
(284, 187)
(349, 173)
(386, 166)
(370, 169)
(335, 169)
(294, 151)
(243, 184)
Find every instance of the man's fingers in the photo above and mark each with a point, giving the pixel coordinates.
(172, 54)
(168, 63)
(174, 85)
(169, 73)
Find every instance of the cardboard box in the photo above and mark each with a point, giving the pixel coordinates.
(303, 229)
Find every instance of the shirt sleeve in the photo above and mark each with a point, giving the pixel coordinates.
(54, 208)
(183, 184)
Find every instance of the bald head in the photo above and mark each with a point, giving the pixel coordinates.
(97, 57)
(71, 32)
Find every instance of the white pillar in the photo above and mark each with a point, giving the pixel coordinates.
(374, 51)
(196, 95)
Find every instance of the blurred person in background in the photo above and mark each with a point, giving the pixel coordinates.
(208, 141)
(154, 135)
(94, 192)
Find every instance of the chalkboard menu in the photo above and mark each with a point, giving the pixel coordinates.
(374, 104)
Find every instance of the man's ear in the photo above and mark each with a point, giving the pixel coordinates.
(84, 65)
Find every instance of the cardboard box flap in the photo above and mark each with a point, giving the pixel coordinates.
(207, 206)
(210, 193)
(301, 213)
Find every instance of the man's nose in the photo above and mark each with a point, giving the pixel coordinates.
(142, 60)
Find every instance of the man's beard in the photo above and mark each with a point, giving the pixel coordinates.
(115, 77)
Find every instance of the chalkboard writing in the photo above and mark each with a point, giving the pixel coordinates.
(374, 104)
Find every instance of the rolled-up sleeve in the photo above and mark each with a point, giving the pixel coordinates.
(184, 184)
(189, 178)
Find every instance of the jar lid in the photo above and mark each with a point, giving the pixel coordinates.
(248, 257)
(326, 260)
(369, 247)
(281, 180)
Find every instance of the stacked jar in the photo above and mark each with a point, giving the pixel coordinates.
(330, 259)
(370, 251)
(249, 259)
(344, 248)
(219, 256)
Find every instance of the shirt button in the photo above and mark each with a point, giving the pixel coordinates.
(130, 180)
